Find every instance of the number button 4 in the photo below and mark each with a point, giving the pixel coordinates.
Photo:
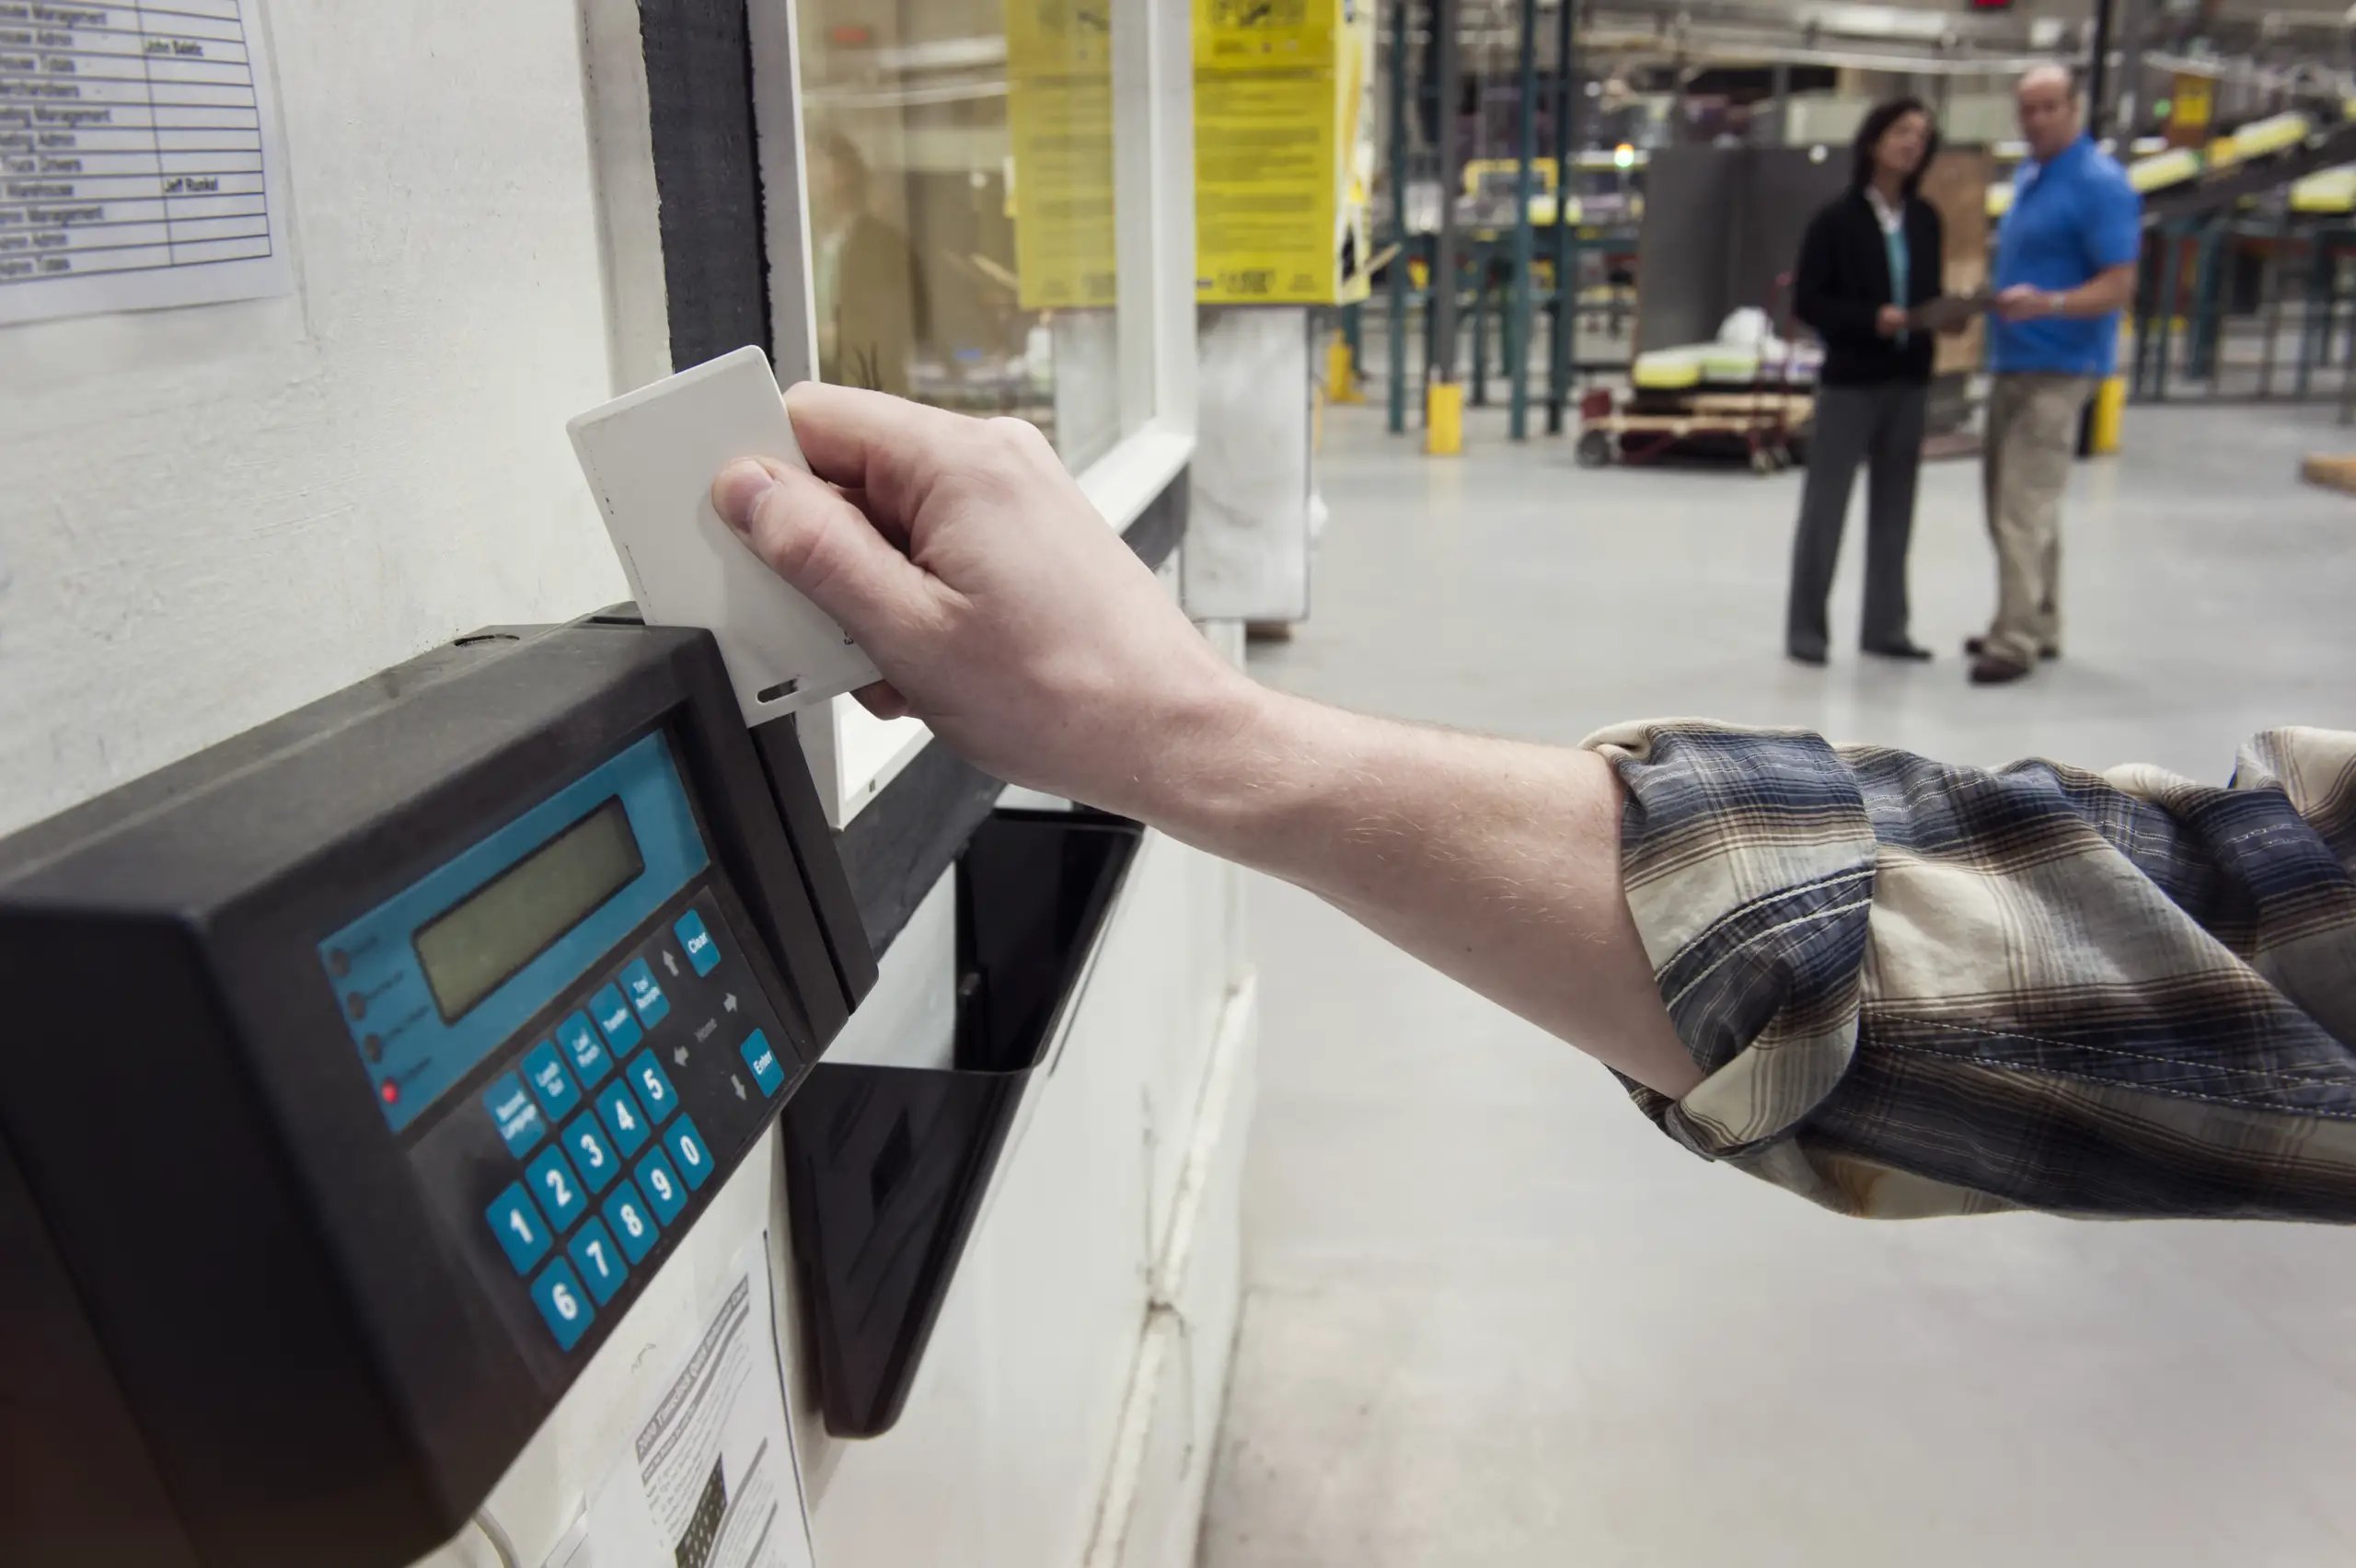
(618, 1109)
(564, 1306)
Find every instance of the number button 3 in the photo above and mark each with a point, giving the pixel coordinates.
(592, 1155)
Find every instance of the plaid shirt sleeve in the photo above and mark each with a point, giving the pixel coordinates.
(1917, 989)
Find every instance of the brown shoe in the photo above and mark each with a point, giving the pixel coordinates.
(1976, 646)
(1990, 670)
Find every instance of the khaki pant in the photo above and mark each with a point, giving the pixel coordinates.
(2032, 436)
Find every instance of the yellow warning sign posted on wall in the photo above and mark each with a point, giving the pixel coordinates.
(1280, 201)
(1059, 113)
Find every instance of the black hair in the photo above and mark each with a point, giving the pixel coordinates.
(1876, 125)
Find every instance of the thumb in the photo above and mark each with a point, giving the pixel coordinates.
(826, 549)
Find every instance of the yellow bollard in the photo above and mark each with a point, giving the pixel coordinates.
(1341, 372)
(2111, 409)
(1444, 419)
(2110, 399)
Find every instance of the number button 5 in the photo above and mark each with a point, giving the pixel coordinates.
(558, 1189)
(654, 1089)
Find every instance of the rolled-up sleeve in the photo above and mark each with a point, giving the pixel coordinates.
(1916, 988)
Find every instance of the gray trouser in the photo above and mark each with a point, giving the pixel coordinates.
(2032, 435)
(1882, 428)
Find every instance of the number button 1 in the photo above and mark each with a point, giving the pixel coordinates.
(517, 1225)
(618, 1109)
(600, 1263)
(646, 1074)
(562, 1305)
(558, 1189)
(664, 1191)
(632, 1221)
(591, 1156)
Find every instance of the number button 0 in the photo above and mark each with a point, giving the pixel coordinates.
(564, 1306)
(591, 1156)
(688, 1153)
(646, 1074)
(600, 1263)
(558, 1189)
(664, 1192)
(633, 1223)
(617, 1108)
(516, 1224)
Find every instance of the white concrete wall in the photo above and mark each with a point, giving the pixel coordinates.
(209, 516)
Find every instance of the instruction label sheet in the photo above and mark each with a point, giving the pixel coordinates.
(709, 1479)
(139, 160)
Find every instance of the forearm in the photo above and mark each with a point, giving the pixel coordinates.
(1495, 862)
(2098, 295)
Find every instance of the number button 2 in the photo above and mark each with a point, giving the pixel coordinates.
(632, 1221)
(617, 1108)
(600, 1261)
(558, 1189)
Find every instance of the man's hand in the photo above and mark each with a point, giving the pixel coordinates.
(1889, 320)
(2023, 302)
(999, 608)
(989, 592)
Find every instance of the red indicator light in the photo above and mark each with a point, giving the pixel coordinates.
(391, 1092)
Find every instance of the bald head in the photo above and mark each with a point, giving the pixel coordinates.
(2047, 101)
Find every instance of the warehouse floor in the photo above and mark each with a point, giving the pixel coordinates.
(1494, 1317)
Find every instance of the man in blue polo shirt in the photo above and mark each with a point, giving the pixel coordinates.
(2065, 267)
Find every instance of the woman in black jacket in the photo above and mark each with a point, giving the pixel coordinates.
(1869, 257)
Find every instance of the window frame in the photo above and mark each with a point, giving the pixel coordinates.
(852, 753)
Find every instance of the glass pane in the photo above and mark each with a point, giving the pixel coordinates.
(961, 206)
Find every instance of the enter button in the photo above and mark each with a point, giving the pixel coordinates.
(763, 1061)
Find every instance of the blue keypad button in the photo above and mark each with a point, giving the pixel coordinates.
(655, 1090)
(688, 1152)
(763, 1061)
(594, 1253)
(664, 1192)
(696, 942)
(618, 1109)
(558, 1189)
(592, 1153)
(562, 1303)
(634, 1224)
(517, 1223)
(638, 979)
(551, 1083)
(587, 1053)
(613, 1016)
(519, 1121)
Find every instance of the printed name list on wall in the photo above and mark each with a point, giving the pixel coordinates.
(140, 164)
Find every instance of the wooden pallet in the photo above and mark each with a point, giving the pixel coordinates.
(2332, 473)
